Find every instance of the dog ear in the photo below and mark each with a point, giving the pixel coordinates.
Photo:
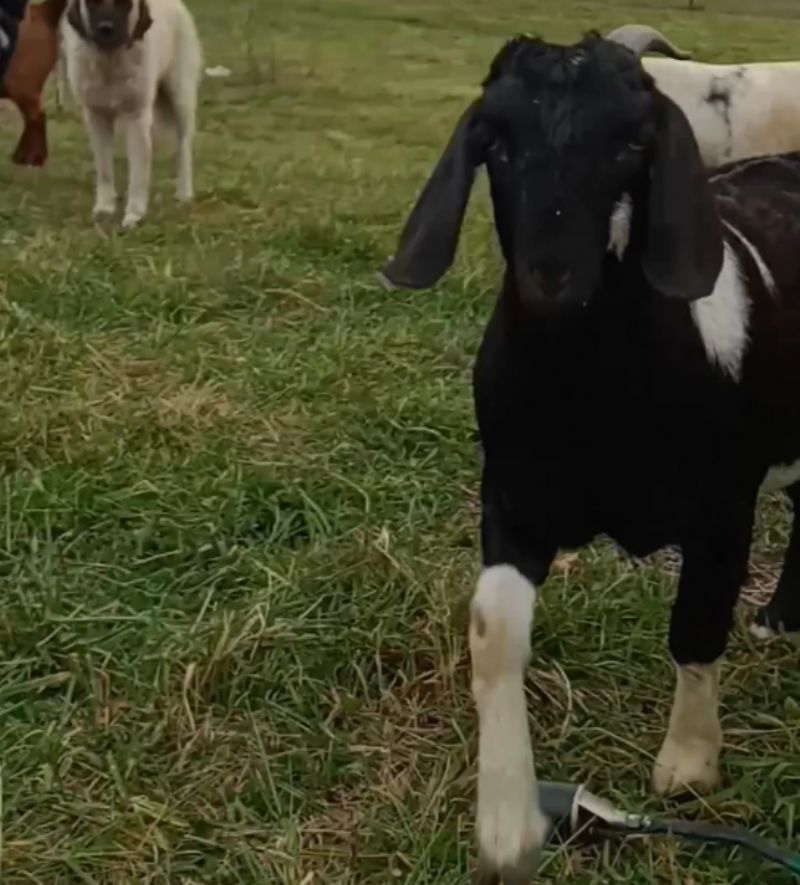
(75, 19)
(143, 23)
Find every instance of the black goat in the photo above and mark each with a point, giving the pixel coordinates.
(638, 378)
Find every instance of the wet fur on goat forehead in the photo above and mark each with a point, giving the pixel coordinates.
(592, 66)
(567, 93)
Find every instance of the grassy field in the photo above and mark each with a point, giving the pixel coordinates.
(238, 496)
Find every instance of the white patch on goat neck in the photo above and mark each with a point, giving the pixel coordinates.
(509, 824)
(766, 276)
(502, 613)
(722, 317)
(619, 233)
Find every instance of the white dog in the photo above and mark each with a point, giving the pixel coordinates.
(134, 59)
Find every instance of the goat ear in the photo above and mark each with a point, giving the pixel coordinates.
(684, 251)
(143, 22)
(75, 19)
(429, 238)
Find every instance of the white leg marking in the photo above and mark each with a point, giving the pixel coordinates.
(140, 157)
(690, 754)
(101, 135)
(510, 827)
(780, 476)
(722, 317)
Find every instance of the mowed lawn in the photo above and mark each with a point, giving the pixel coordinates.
(238, 496)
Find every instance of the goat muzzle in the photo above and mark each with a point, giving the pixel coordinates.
(544, 281)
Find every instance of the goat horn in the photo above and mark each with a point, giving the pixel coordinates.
(642, 38)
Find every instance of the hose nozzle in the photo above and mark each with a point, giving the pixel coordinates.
(575, 815)
(574, 812)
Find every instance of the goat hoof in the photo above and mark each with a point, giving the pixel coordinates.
(488, 872)
(687, 766)
(520, 873)
(509, 843)
(769, 624)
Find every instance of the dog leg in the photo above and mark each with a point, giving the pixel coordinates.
(184, 191)
(100, 125)
(140, 157)
(184, 105)
(180, 94)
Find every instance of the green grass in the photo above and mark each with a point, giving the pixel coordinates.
(237, 487)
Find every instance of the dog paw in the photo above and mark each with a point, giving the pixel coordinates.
(103, 211)
(689, 765)
(131, 220)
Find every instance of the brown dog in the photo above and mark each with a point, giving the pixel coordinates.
(33, 60)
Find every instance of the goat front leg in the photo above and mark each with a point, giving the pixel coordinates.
(510, 827)
(714, 569)
(140, 157)
(100, 125)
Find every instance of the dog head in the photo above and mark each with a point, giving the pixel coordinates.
(110, 24)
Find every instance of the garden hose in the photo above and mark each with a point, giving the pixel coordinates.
(575, 814)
